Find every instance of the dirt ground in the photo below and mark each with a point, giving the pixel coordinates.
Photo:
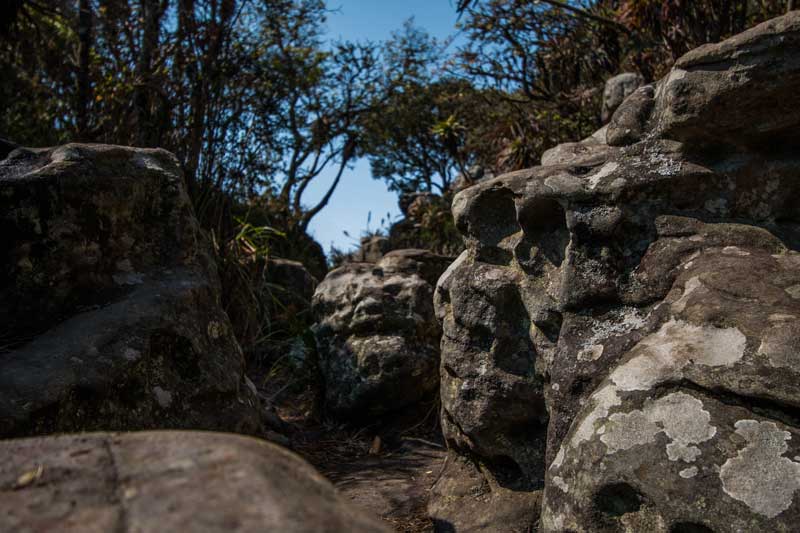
(386, 467)
(393, 485)
(386, 470)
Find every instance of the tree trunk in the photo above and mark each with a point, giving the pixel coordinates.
(151, 15)
(84, 81)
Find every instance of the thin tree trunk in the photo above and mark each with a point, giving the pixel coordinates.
(84, 57)
(151, 15)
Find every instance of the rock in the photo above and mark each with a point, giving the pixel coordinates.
(291, 289)
(6, 147)
(112, 316)
(166, 481)
(619, 338)
(371, 249)
(629, 121)
(377, 335)
(474, 174)
(742, 91)
(567, 153)
(617, 89)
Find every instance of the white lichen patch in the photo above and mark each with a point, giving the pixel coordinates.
(688, 473)
(147, 162)
(780, 345)
(735, 250)
(602, 401)
(664, 354)
(688, 288)
(559, 460)
(163, 397)
(617, 323)
(759, 476)
(131, 355)
(679, 416)
(560, 483)
(605, 171)
(794, 291)
(591, 353)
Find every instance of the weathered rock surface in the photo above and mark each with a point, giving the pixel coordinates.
(621, 334)
(111, 315)
(377, 335)
(166, 481)
(616, 90)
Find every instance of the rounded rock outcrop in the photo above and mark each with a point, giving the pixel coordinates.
(377, 335)
(620, 335)
(112, 317)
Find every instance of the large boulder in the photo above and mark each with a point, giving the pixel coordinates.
(150, 482)
(111, 315)
(620, 336)
(377, 335)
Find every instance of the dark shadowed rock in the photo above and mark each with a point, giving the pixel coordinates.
(377, 335)
(166, 481)
(6, 147)
(619, 338)
(111, 314)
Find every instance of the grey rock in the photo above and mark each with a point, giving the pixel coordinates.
(567, 153)
(616, 90)
(377, 334)
(744, 91)
(151, 482)
(629, 122)
(111, 314)
(619, 338)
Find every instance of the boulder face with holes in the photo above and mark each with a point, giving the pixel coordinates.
(377, 335)
(111, 315)
(620, 336)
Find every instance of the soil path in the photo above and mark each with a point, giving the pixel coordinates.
(393, 485)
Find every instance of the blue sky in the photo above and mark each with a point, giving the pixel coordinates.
(358, 193)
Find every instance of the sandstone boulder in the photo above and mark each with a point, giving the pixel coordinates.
(111, 315)
(619, 336)
(377, 335)
(152, 482)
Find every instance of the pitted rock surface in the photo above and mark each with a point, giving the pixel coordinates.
(151, 482)
(112, 317)
(620, 336)
(377, 334)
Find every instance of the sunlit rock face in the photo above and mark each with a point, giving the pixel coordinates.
(621, 336)
(111, 315)
(377, 335)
